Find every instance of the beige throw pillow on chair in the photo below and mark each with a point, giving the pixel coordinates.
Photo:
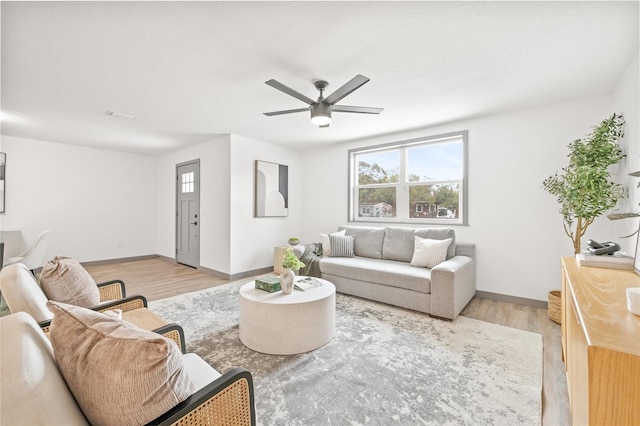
(64, 279)
(118, 373)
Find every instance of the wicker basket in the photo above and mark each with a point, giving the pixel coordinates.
(555, 308)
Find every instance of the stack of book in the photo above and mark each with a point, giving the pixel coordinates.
(614, 261)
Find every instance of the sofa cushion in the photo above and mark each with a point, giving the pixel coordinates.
(63, 279)
(342, 245)
(368, 241)
(200, 372)
(398, 244)
(386, 272)
(326, 244)
(439, 234)
(118, 373)
(429, 253)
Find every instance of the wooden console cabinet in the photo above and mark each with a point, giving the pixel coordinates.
(601, 345)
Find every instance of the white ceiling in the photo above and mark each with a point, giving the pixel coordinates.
(193, 70)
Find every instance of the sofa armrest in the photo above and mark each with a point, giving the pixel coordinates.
(453, 284)
(228, 400)
(112, 290)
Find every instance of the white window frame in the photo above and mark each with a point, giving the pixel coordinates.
(402, 187)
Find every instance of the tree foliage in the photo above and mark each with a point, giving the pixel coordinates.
(370, 174)
(584, 189)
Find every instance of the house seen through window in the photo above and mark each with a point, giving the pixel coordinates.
(422, 180)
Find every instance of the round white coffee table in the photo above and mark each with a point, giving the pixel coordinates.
(286, 324)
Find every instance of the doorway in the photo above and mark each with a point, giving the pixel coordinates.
(188, 213)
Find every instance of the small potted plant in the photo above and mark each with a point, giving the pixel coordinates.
(290, 263)
(294, 241)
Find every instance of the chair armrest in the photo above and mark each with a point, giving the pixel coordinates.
(173, 332)
(112, 290)
(228, 400)
(453, 285)
(127, 304)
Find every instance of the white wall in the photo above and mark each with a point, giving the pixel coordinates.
(514, 223)
(232, 240)
(214, 202)
(99, 204)
(252, 238)
(625, 101)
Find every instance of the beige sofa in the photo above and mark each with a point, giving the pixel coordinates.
(381, 270)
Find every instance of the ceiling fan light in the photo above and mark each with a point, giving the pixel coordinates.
(321, 119)
(321, 114)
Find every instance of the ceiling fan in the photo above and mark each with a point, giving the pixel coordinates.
(322, 108)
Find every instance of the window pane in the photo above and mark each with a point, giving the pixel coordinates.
(377, 202)
(434, 201)
(437, 161)
(378, 167)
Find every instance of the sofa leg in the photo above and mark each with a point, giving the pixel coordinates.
(440, 318)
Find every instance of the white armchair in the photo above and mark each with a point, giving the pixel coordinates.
(34, 256)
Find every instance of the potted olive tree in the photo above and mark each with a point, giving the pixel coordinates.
(584, 188)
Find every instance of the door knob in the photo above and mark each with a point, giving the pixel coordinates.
(194, 223)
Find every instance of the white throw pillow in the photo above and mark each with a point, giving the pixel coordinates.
(428, 253)
(326, 244)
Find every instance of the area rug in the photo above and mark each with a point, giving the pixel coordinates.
(385, 365)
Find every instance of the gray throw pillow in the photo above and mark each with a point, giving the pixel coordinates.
(342, 246)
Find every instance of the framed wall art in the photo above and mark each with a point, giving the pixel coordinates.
(271, 189)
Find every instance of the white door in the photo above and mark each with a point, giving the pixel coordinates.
(188, 213)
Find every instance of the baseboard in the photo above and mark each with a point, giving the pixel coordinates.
(255, 272)
(238, 276)
(120, 260)
(512, 299)
(223, 275)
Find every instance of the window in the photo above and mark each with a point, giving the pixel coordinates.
(421, 180)
(187, 182)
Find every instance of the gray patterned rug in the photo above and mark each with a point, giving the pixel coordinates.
(385, 366)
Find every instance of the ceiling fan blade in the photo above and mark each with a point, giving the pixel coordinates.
(289, 91)
(357, 109)
(288, 111)
(347, 88)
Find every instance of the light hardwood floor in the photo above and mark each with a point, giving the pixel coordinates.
(159, 278)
